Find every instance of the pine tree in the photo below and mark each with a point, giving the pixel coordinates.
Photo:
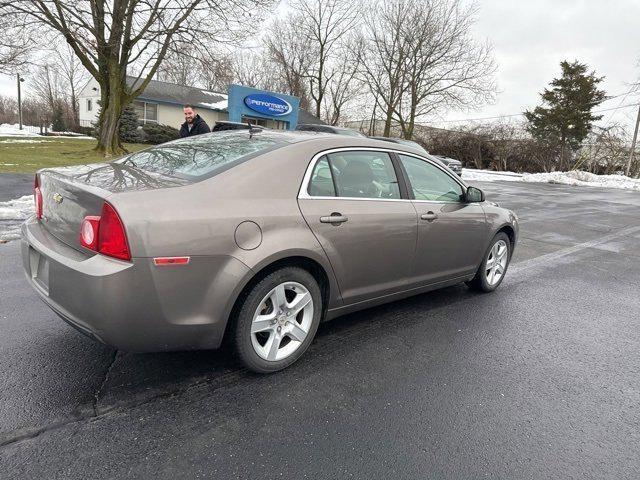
(128, 128)
(565, 118)
(57, 119)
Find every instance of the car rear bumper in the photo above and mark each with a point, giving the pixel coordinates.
(133, 306)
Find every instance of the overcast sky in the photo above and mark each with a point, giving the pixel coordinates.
(530, 38)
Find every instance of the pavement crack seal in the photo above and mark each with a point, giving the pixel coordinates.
(96, 395)
(224, 379)
(550, 257)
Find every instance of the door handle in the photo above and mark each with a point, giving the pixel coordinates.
(335, 219)
(429, 216)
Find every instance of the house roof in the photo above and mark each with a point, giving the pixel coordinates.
(173, 93)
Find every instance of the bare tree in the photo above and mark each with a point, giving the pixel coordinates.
(15, 48)
(343, 87)
(324, 25)
(382, 52)
(113, 37)
(292, 54)
(179, 66)
(445, 67)
(74, 75)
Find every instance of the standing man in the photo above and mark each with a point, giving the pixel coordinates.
(194, 124)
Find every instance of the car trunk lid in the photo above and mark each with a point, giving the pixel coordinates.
(69, 194)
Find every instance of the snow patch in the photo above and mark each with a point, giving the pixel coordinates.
(490, 176)
(214, 94)
(221, 105)
(12, 214)
(24, 140)
(8, 130)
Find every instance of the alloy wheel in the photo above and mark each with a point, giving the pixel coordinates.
(497, 262)
(282, 321)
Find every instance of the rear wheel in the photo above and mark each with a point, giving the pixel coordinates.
(278, 320)
(494, 265)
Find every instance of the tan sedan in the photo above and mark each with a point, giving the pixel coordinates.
(255, 237)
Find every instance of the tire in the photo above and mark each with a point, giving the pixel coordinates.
(484, 281)
(269, 334)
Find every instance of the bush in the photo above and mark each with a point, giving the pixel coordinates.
(154, 133)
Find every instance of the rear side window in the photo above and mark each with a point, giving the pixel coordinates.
(321, 183)
(364, 174)
(203, 155)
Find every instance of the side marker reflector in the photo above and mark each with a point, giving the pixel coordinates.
(167, 261)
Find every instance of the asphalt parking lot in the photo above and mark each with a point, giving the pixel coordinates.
(540, 379)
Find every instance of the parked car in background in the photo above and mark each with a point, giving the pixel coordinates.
(310, 127)
(454, 165)
(254, 237)
(223, 125)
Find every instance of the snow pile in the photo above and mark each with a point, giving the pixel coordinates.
(587, 179)
(7, 130)
(12, 214)
(490, 176)
(574, 177)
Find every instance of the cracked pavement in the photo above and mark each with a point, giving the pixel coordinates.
(538, 380)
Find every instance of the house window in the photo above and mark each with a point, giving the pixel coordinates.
(89, 104)
(147, 112)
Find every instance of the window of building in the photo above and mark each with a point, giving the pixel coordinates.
(89, 104)
(147, 112)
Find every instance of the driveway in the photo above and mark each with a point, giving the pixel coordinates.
(537, 380)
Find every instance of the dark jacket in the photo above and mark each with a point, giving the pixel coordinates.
(199, 126)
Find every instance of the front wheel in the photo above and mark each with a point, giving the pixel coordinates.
(494, 265)
(278, 320)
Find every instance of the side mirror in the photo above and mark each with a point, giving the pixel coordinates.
(474, 195)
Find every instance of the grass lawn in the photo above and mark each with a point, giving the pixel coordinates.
(28, 154)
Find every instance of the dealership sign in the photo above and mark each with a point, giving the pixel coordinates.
(267, 104)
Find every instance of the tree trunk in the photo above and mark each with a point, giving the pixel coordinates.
(387, 122)
(112, 102)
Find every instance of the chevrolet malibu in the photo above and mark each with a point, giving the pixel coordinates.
(254, 237)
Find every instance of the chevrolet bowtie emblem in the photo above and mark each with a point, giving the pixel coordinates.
(57, 198)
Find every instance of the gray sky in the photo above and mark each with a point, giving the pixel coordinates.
(530, 38)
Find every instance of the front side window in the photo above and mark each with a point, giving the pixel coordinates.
(428, 182)
(364, 174)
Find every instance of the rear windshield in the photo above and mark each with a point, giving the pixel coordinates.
(203, 155)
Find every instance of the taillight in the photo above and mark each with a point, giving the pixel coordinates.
(112, 239)
(37, 197)
(105, 234)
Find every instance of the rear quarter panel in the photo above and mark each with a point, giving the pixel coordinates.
(201, 219)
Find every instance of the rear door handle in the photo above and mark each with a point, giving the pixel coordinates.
(335, 219)
(429, 216)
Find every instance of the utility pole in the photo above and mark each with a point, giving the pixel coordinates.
(633, 143)
(19, 79)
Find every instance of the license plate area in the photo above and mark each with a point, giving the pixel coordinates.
(39, 270)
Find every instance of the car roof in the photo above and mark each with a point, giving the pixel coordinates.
(323, 141)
